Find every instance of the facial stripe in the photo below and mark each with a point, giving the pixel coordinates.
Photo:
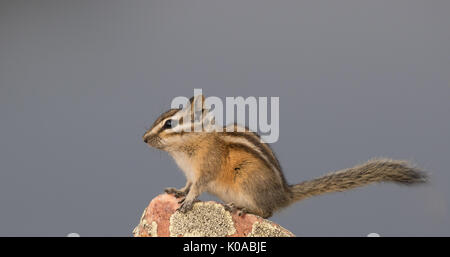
(191, 124)
(157, 124)
(164, 116)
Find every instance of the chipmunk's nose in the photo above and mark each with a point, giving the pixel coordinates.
(146, 137)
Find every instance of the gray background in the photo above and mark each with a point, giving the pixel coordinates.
(80, 81)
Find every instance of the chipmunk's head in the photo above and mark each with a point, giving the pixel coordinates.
(170, 128)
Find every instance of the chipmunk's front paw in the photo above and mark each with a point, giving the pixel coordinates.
(173, 191)
(185, 206)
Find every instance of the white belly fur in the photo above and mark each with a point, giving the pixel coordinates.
(185, 164)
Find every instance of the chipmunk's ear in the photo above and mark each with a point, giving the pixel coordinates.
(197, 103)
(197, 100)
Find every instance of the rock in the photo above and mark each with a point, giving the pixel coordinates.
(160, 219)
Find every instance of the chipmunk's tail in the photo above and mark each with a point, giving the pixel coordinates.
(376, 170)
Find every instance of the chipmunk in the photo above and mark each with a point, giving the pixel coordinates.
(244, 172)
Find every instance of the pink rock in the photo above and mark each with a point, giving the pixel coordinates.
(162, 219)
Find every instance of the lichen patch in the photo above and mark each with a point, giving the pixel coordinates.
(152, 229)
(267, 229)
(205, 219)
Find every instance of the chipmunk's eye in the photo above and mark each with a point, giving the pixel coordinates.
(167, 124)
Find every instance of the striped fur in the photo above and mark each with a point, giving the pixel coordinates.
(239, 168)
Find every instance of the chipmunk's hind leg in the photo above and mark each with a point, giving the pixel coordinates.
(268, 195)
(231, 207)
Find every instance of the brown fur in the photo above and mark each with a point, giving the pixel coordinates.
(239, 169)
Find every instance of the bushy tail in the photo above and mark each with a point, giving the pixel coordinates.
(376, 170)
